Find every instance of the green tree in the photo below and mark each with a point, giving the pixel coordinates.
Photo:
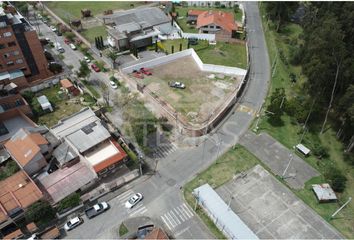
(70, 36)
(55, 68)
(84, 70)
(337, 179)
(280, 12)
(275, 107)
(40, 212)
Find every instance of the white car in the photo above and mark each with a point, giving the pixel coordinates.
(73, 47)
(87, 59)
(54, 29)
(73, 223)
(113, 85)
(135, 199)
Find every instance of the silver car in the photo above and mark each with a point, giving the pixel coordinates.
(134, 200)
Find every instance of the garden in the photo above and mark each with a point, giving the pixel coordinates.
(63, 105)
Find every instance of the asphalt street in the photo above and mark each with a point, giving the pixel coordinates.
(163, 199)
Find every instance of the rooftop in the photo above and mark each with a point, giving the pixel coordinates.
(157, 233)
(221, 211)
(17, 192)
(105, 155)
(24, 145)
(63, 182)
(65, 83)
(151, 16)
(10, 125)
(324, 192)
(223, 19)
(64, 153)
(11, 75)
(82, 125)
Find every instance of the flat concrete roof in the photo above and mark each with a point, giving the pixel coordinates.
(101, 153)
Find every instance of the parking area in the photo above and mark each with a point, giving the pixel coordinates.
(282, 161)
(271, 210)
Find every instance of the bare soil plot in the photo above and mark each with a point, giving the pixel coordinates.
(204, 93)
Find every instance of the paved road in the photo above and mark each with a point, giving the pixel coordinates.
(163, 198)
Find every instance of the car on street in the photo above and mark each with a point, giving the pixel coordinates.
(96, 209)
(59, 48)
(177, 85)
(54, 29)
(73, 223)
(134, 200)
(113, 84)
(95, 68)
(87, 59)
(72, 46)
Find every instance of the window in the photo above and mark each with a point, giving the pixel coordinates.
(15, 53)
(6, 55)
(2, 46)
(7, 34)
(10, 63)
(11, 44)
(19, 61)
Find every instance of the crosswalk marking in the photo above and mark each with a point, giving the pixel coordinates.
(140, 210)
(164, 149)
(177, 216)
(166, 223)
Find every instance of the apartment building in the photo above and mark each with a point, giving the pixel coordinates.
(22, 60)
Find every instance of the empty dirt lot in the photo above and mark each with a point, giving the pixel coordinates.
(271, 210)
(204, 94)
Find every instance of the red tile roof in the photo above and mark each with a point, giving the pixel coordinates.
(14, 235)
(223, 19)
(111, 160)
(194, 12)
(23, 146)
(65, 83)
(17, 190)
(157, 233)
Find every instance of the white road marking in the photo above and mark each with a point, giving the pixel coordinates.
(169, 220)
(168, 225)
(188, 210)
(175, 217)
(179, 214)
(140, 210)
(179, 208)
(168, 215)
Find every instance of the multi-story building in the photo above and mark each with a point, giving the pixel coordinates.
(22, 59)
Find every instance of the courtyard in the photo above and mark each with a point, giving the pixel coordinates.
(204, 94)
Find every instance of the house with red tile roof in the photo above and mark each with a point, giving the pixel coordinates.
(28, 149)
(157, 233)
(220, 23)
(17, 193)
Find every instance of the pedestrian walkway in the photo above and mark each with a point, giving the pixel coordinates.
(282, 161)
(177, 216)
(164, 150)
(135, 211)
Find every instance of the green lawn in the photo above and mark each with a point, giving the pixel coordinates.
(68, 10)
(233, 55)
(122, 230)
(289, 134)
(182, 12)
(93, 32)
(236, 160)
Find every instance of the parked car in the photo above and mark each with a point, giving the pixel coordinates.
(145, 71)
(177, 85)
(66, 41)
(87, 59)
(73, 223)
(134, 200)
(113, 84)
(72, 46)
(54, 29)
(138, 74)
(96, 209)
(59, 48)
(95, 68)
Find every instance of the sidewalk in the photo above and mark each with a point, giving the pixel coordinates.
(277, 158)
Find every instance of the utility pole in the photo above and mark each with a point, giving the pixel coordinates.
(339, 209)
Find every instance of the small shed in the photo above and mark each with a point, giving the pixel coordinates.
(304, 150)
(324, 192)
(45, 104)
(69, 86)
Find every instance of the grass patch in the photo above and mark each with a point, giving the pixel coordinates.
(234, 161)
(8, 169)
(91, 88)
(226, 54)
(289, 134)
(68, 10)
(93, 32)
(122, 230)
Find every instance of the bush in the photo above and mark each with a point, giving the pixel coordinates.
(337, 179)
(70, 201)
(349, 158)
(9, 169)
(297, 109)
(40, 212)
(320, 151)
